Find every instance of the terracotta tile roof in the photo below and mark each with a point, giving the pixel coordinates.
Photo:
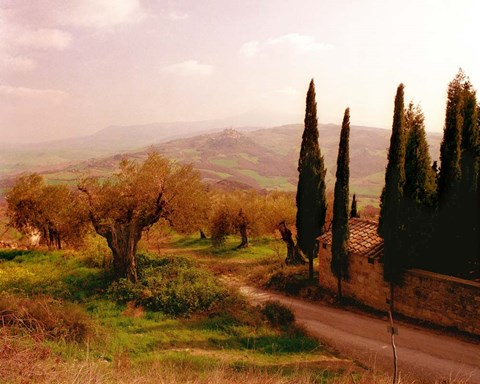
(364, 239)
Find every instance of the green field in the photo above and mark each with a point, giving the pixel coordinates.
(269, 182)
(89, 332)
(228, 163)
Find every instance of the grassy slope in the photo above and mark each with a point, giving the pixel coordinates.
(150, 344)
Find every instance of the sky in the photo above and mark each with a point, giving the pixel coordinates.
(72, 67)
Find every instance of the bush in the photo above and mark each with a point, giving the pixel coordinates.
(171, 285)
(45, 317)
(278, 314)
(95, 252)
(294, 281)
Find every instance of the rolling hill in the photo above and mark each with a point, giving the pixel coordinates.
(268, 158)
(262, 159)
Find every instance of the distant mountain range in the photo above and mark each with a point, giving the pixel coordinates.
(245, 157)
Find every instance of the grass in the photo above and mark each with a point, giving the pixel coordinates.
(60, 274)
(222, 175)
(248, 157)
(228, 163)
(269, 182)
(128, 343)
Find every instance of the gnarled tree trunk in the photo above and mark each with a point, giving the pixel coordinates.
(122, 240)
(294, 257)
(242, 228)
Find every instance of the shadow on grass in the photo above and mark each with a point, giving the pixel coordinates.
(314, 372)
(191, 243)
(10, 254)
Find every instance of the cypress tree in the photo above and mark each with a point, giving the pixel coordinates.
(339, 263)
(391, 226)
(450, 172)
(468, 180)
(310, 200)
(449, 234)
(353, 209)
(419, 190)
(477, 223)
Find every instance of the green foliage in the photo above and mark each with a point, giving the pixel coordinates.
(420, 179)
(138, 196)
(248, 213)
(391, 225)
(469, 165)
(458, 216)
(53, 212)
(353, 209)
(419, 191)
(127, 343)
(95, 252)
(293, 282)
(171, 285)
(281, 344)
(339, 264)
(450, 171)
(60, 274)
(311, 196)
(278, 314)
(221, 226)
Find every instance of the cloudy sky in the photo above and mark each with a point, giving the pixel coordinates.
(72, 67)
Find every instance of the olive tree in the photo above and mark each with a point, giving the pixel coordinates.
(130, 201)
(53, 212)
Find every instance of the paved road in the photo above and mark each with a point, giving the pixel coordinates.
(422, 354)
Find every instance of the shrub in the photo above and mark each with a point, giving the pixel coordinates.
(95, 252)
(171, 285)
(45, 317)
(278, 314)
(294, 281)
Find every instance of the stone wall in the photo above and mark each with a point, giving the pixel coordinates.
(427, 296)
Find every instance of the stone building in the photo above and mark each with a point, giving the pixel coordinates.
(425, 296)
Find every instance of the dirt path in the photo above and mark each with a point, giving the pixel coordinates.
(422, 354)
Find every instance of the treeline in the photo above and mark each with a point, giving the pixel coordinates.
(123, 207)
(430, 216)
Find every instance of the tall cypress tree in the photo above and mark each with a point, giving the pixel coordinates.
(450, 172)
(339, 263)
(477, 224)
(419, 190)
(391, 226)
(311, 200)
(449, 225)
(468, 180)
(353, 209)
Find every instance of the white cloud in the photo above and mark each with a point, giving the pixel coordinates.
(176, 16)
(99, 13)
(51, 95)
(250, 48)
(189, 68)
(44, 39)
(300, 44)
(17, 63)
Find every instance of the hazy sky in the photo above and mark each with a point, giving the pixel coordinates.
(72, 67)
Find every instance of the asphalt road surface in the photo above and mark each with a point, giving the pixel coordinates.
(422, 354)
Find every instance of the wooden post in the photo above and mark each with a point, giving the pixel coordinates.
(392, 333)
